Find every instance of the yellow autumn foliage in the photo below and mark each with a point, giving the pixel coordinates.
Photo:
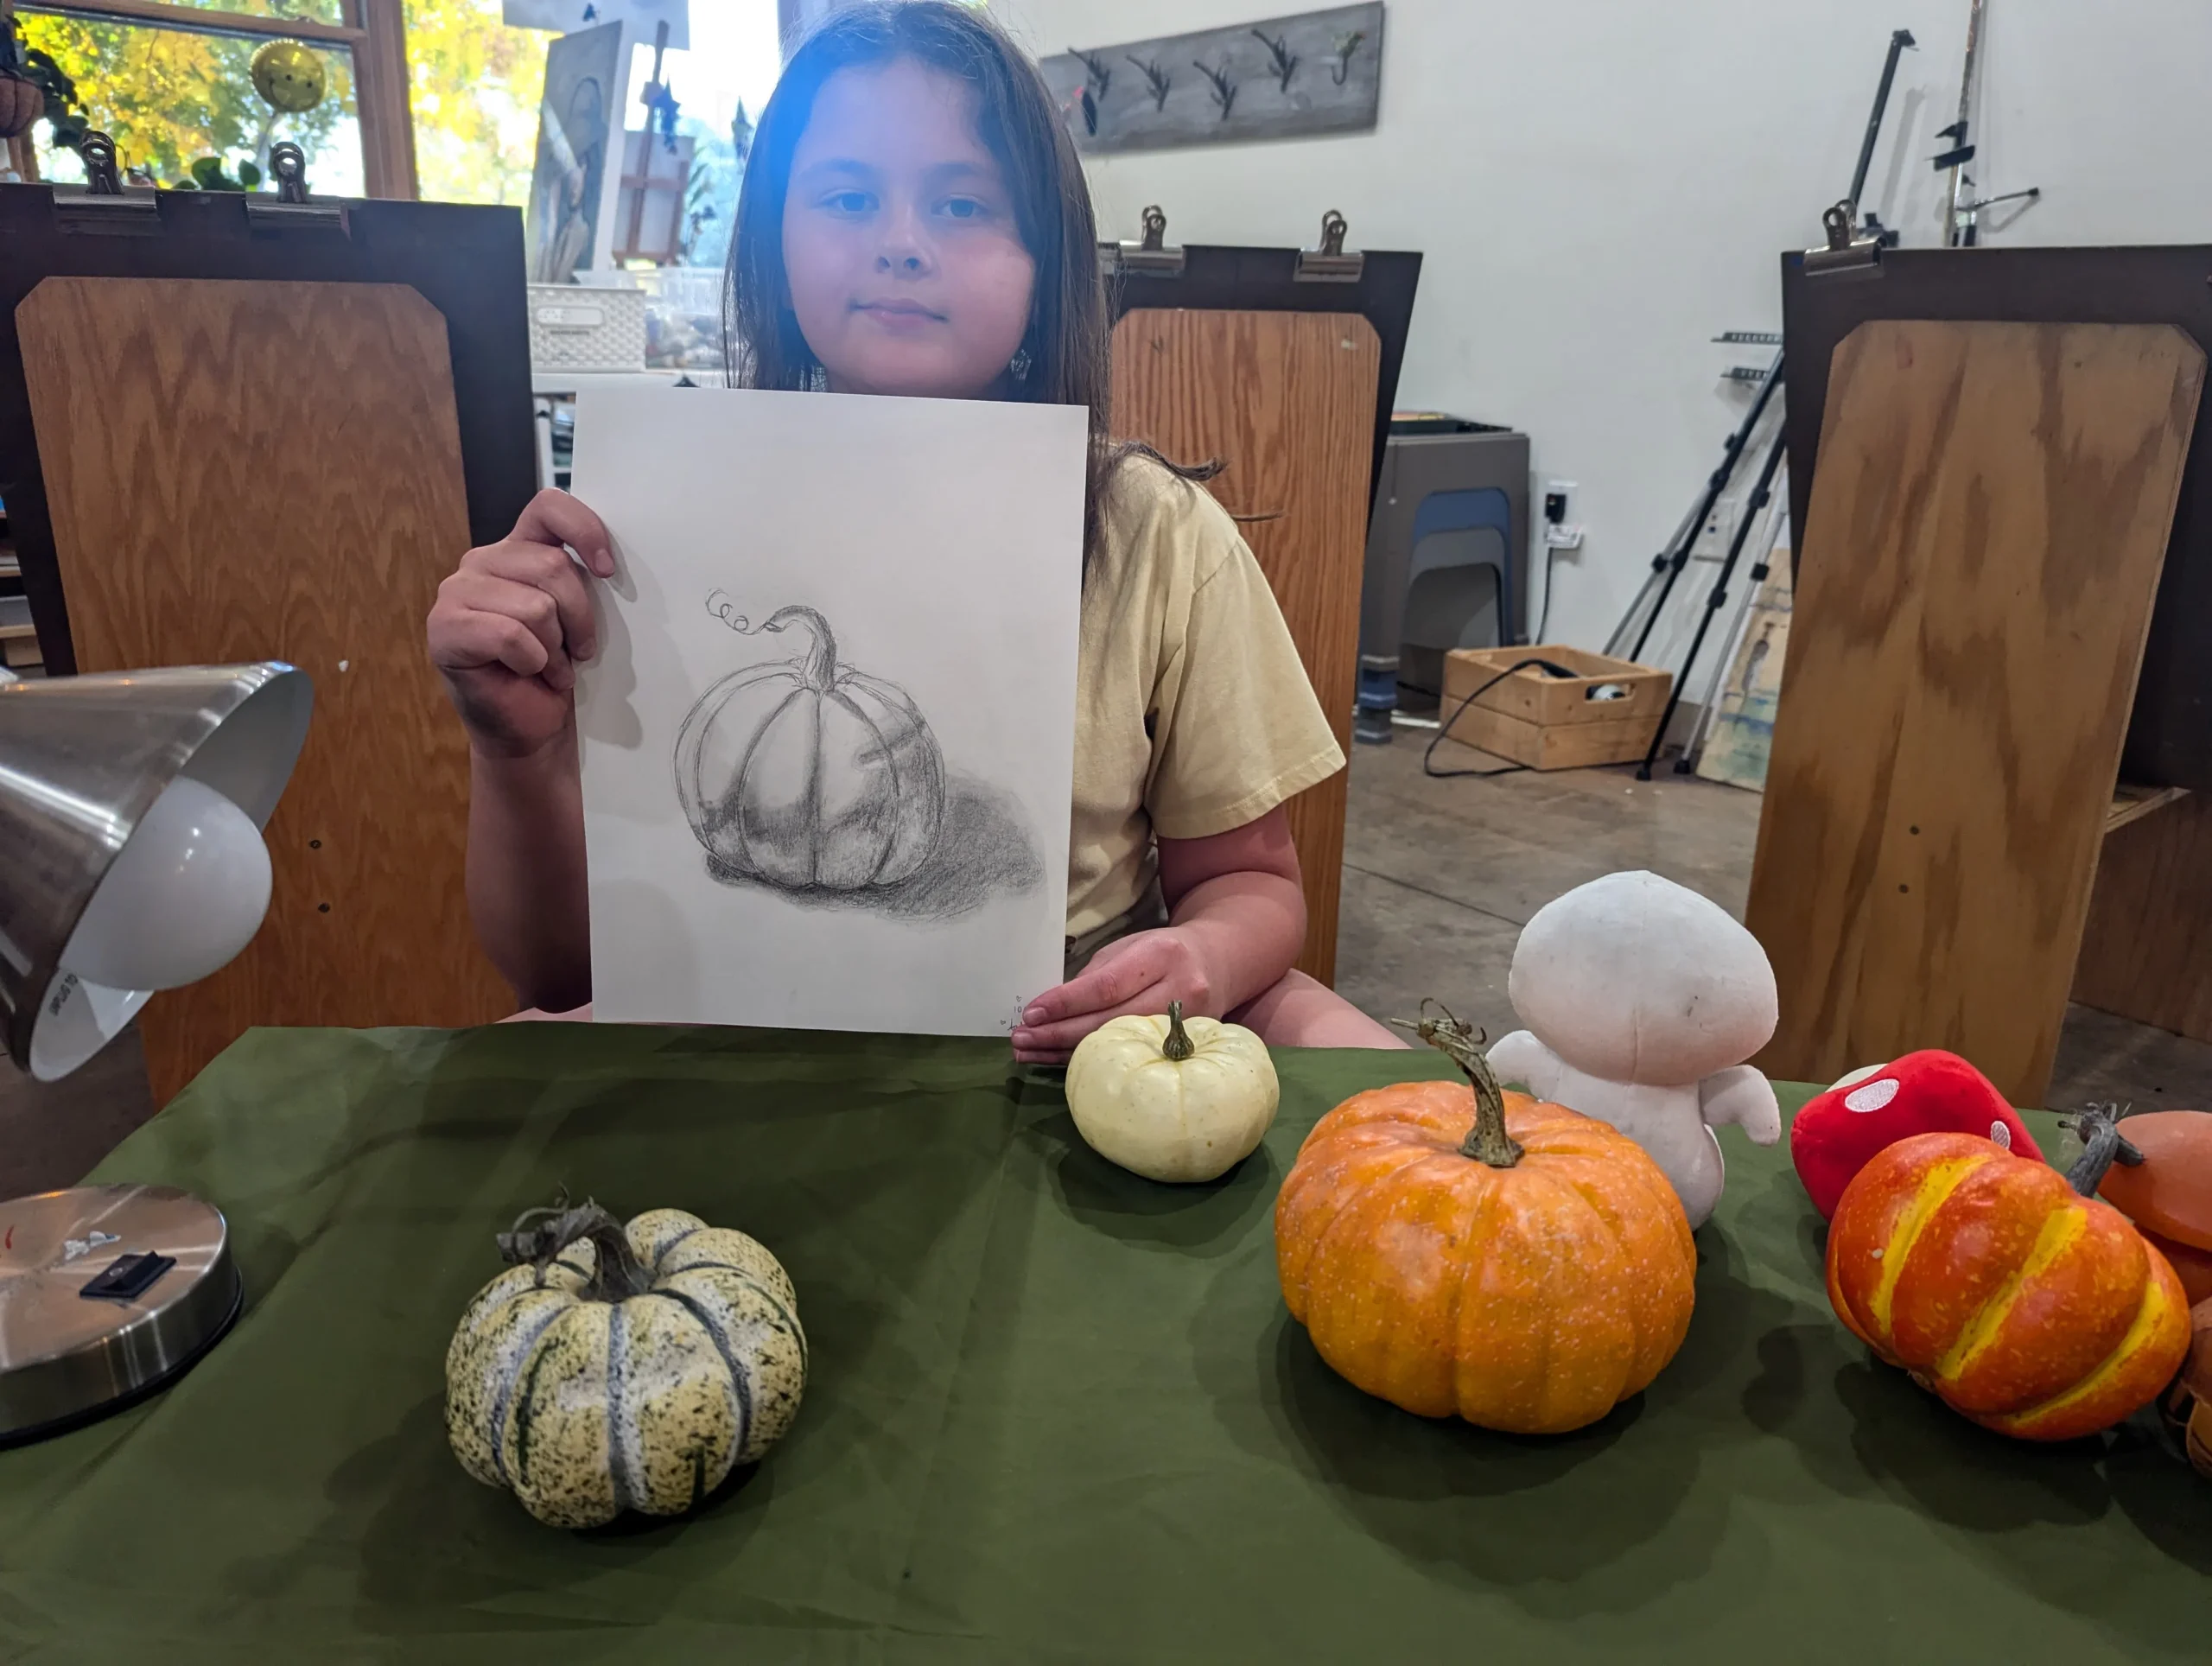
(167, 96)
(476, 85)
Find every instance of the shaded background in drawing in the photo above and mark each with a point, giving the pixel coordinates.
(984, 850)
(956, 572)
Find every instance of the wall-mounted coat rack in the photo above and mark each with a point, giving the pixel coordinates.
(1319, 73)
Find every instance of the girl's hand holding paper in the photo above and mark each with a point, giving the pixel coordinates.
(512, 622)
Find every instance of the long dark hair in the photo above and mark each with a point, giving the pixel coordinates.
(1068, 339)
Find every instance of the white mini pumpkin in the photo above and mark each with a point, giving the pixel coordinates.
(619, 1367)
(1173, 1098)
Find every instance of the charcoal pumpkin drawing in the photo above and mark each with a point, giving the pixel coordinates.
(809, 776)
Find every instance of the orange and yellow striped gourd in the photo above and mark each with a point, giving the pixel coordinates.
(2007, 1288)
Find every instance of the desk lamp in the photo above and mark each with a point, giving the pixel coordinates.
(132, 861)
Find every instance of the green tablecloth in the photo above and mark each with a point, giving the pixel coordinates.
(1056, 1413)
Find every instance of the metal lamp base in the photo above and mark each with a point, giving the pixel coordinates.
(107, 1293)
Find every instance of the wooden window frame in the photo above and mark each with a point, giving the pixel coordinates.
(375, 32)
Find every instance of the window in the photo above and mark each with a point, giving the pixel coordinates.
(477, 83)
(474, 84)
(173, 83)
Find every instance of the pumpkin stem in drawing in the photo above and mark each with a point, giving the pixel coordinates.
(540, 1234)
(1487, 1141)
(2101, 1147)
(1177, 1046)
(820, 663)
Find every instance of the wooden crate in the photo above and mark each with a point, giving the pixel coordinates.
(1544, 721)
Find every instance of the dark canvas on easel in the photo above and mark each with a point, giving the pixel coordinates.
(584, 90)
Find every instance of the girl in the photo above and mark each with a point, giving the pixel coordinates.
(914, 221)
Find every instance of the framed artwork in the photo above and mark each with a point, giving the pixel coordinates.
(573, 185)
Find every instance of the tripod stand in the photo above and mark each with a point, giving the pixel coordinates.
(1760, 492)
(1856, 242)
(1667, 566)
(1761, 550)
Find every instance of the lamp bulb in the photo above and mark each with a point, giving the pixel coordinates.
(185, 894)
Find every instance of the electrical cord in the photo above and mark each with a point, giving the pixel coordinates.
(1544, 618)
(1444, 729)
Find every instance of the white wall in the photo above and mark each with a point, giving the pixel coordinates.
(1601, 186)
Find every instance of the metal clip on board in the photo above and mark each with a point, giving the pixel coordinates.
(102, 207)
(105, 207)
(1152, 257)
(1845, 256)
(1329, 264)
(292, 211)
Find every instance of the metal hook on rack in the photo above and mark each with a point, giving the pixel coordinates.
(1157, 79)
(1094, 65)
(1224, 89)
(1286, 62)
(1347, 45)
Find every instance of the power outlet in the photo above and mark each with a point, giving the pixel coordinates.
(1562, 527)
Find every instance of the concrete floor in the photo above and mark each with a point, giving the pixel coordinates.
(1440, 877)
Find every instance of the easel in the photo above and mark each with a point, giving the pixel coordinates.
(238, 429)
(2137, 948)
(1283, 364)
(642, 183)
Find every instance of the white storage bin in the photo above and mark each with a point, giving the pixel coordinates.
(573, 327)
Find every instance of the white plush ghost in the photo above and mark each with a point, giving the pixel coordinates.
(1643, 1000)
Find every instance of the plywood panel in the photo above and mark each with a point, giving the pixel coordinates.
(1989, 517)
(243, 471)
(2144, 951)
(1287, 401)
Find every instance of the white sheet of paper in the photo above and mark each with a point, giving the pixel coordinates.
(768, 845)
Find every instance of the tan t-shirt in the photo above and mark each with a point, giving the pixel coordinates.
(1193, 713)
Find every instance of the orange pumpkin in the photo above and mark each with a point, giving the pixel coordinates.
(2023, 1301)
(1464, 1250)
(2163, 1182)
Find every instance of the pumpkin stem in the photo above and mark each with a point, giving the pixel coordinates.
(819, 664)
(1177, 1046)
(540, 1234)
(2101, 1147)
(1487, 1141)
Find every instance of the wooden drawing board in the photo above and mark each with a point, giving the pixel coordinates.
(1287, 401)
(2169, 735)
(465, 259)
(1238, 278)
(1990, 513)
(239, 471)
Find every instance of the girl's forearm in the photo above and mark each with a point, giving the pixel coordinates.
(1247, 927)
(526, 889)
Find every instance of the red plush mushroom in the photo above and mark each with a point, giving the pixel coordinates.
(1838, 1133)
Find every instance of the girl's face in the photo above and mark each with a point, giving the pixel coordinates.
(906, 271)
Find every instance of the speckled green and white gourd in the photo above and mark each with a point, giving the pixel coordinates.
(618, 1368)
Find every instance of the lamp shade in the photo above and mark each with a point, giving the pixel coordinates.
(184, 762)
